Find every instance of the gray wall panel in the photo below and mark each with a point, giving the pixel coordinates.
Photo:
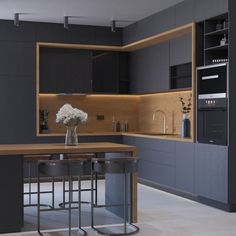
(184, 12)
(205, 9)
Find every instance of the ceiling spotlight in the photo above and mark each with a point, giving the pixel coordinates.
(16, 19)
(113, 26)
(66, 22)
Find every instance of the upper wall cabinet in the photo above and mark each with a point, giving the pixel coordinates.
(109, 72)
(65, 70)
(205, 9)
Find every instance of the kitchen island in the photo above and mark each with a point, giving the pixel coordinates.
(11, 181)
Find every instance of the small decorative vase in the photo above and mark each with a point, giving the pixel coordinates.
(185, 128)
(71, 136)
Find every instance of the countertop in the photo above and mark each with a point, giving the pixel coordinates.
(175, 137)
(53, 148)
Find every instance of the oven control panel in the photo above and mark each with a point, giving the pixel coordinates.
(214, 103)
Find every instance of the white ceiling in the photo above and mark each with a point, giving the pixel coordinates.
(91, 12)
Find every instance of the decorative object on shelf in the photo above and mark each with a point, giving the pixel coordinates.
(218, 25)
(71, 118)
(44, 121)
(186, 108)
(223, 41)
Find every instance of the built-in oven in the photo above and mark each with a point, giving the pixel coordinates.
(212, 104)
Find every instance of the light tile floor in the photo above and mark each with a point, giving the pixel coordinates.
(164, 214)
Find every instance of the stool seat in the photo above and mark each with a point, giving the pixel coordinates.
(115, 165)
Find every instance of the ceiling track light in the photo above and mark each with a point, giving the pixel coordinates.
(113, 26)
(16, 19)
(66, 22)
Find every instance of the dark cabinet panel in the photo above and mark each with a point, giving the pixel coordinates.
(17, 100)
(181, 50)
(211, 172)
(26, 32)
(185, 166)
(65, 70)
(149, 69)
(11, 197)
(164, 20)
(104, 36)
(49, 32)
(81, 34)
(17, 58)
(184, 12)
(160, 174)
(110, 72)
(78, 71)
(210, 8)
(157, 23)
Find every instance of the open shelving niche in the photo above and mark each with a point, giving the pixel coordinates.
(149, 41)
(215, 29)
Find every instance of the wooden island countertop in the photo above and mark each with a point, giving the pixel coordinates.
(54, 148)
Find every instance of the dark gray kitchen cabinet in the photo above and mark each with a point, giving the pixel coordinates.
(11, 197)
(181, 50)
(149, 69)
(65, 70)
(109, 72)
(210, 8)
(17, 58)
(184, 13)
(185, 167)
(157, 159)
(211, 172)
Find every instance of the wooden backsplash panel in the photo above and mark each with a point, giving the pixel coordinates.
(167, 102)
(122, 107)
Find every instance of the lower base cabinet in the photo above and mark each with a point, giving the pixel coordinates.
(211, 172)
(184, 176)
(200, 170)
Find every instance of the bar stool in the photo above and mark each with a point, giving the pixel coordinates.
(58, 168)
(87, 172)
(125, 166)
(30, 160)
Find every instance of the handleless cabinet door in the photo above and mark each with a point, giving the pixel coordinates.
(211, 172)
(185, 166)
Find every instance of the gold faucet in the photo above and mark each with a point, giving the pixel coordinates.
(164, 118)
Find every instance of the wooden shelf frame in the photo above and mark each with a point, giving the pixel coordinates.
(140, 44)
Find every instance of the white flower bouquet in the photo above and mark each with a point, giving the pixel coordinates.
(70, 116)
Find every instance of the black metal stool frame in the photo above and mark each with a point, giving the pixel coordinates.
(64, 202)
(125, 204)
(30, 192)
(80, 230)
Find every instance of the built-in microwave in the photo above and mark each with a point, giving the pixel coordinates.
(212, 112)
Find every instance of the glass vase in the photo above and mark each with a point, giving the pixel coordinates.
(185, 127)
(71, 136)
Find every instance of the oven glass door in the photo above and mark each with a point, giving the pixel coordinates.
(212, 80)
(212, 126)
